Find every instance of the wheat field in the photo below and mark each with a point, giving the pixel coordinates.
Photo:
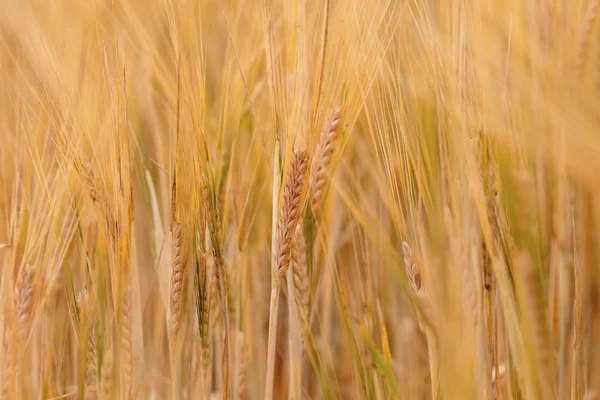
(300, 199)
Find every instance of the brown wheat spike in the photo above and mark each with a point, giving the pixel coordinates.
(24, 301)
(177, 278)
(88, 176)
(300, 270)
(322, 157)
(412, 271)
(290, 209)
(583, 37)
(91, 182)
(487, 175)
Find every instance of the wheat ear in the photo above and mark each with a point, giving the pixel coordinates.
(242, 381)
(414, 279)
(300, 271)
(297, 281)
(8, 367)
(289, 215)
(220, 274)
(177, 279)
(203, 295)
(126, 339)
(290, 209)
(107, 375)
(91, 358)
(24, 301)
(583, 37)
(322, 158)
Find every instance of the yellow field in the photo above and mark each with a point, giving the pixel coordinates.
(286, 199)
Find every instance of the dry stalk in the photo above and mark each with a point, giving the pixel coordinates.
(273, 310)
(294, 339)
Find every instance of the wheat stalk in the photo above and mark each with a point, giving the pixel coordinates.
(289, 214)
(273, 311)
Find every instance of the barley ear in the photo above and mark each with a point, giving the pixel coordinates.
(177, 279)
(322, 158)
(300, 271)
(290, 211)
